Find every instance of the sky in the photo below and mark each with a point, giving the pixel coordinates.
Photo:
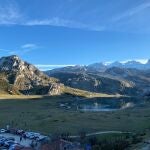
(56, 33)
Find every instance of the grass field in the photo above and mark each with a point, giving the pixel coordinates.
(44, 115)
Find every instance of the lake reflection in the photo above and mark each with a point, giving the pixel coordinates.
(97, 107)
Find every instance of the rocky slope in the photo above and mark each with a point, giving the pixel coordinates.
(96, 82)
(129, 64)
(22, 77)
(140, 78)
(121, 80)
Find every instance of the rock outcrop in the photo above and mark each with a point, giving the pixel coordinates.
(27, 78)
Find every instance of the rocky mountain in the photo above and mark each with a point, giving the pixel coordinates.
(97, 67)
(26, 78)
(20, 77)
(115, 64)
(97, 78)
(102, 67)
(129, 64)
(140, 78)
(76, 68)
(96, 82)
(148, 62)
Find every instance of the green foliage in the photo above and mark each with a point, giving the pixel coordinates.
(114, 142)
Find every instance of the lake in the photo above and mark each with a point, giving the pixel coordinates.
(100, 104)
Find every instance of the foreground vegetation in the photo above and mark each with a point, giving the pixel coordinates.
(112, 141)
(46, 116)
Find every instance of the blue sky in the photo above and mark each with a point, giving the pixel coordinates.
(53, 33)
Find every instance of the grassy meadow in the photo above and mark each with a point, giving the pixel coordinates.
(43, 114)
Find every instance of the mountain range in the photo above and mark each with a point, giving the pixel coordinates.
(130, 78)
(102, 66)
(20, 77)
(128, 64)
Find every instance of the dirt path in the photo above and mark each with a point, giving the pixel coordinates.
(101, 132)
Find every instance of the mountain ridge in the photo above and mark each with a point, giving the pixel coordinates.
(19, 77)
(125, 80)
(102, 66)
(26, 77)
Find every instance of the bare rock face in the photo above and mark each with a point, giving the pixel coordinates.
(12, 63)
(55, 89)
(122, 80)
(27, 78)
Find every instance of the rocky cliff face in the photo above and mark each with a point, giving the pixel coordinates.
(99, 83)
(27, 78)
(139, 78)
(125, 81)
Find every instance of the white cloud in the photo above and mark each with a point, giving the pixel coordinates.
(53, 21)
(22, 50)
(56, 21)
(53, 65)
(143, 61)
(5, 50)
(50, 67)
(29, 46)
(10, 14)
(132, 11)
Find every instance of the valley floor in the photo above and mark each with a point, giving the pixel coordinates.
(46, 116)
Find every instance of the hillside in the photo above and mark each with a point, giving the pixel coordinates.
(121, 80)
(25, 78)
(19, 77)
(98, 83)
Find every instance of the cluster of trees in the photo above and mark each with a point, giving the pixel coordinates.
(115, 143)
(108, 142)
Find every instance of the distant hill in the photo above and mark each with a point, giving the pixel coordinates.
(125, 79)
(98, 83)
(129, 64)
(20, 77)
(102, 67)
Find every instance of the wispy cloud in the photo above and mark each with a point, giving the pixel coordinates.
(49, 67)
(82, 18)
(29, 46)
(9, 14)
(23, 49)
(56, 21)
(5, 50)
(131, 12)
(143, 61)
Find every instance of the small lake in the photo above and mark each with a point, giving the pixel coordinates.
(96, 107)
(100, 105)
